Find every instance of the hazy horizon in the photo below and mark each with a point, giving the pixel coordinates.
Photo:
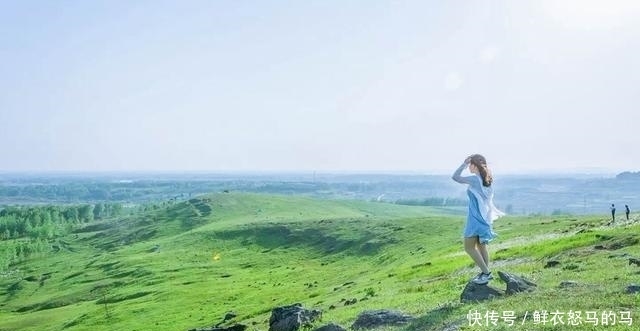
(146, 86)
(543, 172)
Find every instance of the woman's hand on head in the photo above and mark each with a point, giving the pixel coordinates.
(467, 160)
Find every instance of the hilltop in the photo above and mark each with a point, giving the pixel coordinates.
(183, 265)
(628, 175)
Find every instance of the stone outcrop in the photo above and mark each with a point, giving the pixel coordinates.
(516, 284)
(473, 292)
(292, 318)
(633, 289)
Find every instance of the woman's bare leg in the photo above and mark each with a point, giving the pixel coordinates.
(484, 252)
(470, 246)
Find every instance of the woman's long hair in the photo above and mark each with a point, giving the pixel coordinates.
(481, 163)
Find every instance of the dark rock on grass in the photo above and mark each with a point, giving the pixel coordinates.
(635, 261)
(633, 289)
(552, 263)
(292, 318)
(516, 284)
(235, 327)
(375, 318)
(229, 316)
(474, 292)
(331, 327)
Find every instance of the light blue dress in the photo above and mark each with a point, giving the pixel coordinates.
(476, 225)
(479, 199)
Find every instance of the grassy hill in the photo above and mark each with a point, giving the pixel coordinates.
(185, 265)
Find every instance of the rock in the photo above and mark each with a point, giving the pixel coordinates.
(635, 261)
(375, 318)
(633, 289)
(227, 317)
(235, 327)
(552, 263)
(474, 292)
(516, 284)
(331, 327)
(292, 318)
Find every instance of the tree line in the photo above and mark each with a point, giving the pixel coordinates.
(29, 230)
(71, 191)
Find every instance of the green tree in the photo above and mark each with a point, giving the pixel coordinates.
(46, 216)
(98, 209)
(28, 230)
(85, 213)
(71, 214)
(112, 209)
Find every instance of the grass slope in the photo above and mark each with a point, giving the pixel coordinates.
(186, 265)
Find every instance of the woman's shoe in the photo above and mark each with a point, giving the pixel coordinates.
(482, 278)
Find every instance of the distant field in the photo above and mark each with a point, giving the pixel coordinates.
(517, 194)
(186, 264)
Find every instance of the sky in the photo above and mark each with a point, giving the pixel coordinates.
(326, 86)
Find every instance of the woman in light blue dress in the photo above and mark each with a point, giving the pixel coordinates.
(478, 231)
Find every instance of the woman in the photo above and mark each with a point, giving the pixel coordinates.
(478, 231)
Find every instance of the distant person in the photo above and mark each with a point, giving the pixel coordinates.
(626, 211)
(478, 231)
(613, 212)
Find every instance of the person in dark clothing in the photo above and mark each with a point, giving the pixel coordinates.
(613, 212)
(626, 211)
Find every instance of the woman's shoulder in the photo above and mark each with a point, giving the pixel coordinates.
(476, 179)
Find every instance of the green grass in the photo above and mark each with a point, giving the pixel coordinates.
(186, 265)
